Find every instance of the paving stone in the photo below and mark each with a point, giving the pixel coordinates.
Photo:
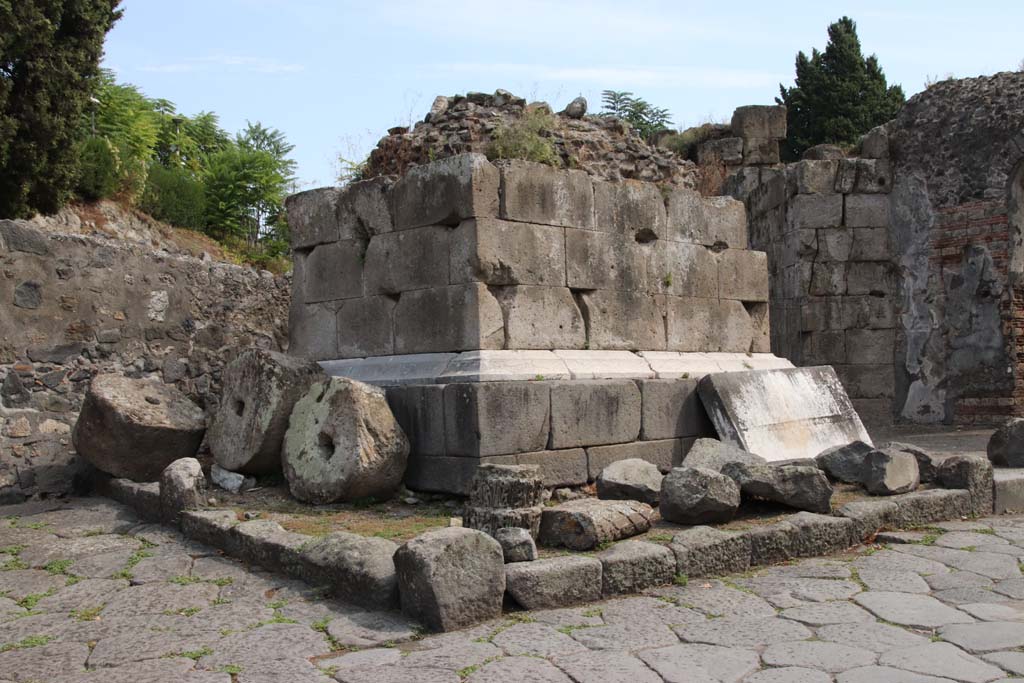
(957, 579)
(569, 616)
(20, 583)
(828, 613)
(742, 632)
(518, 668)
(916, 611)
(941, 659)
(968, 539)
(87, 594)
(606, 667)
(885, 674)
(143, 644)
(898, 582)
(824, 656)
(985, 637)
(889, 560)
(969, 595)
(535, 640)
(39, 555)
(454, 657)
(43, 663)
(1011, 588)
(272, 642)
(161, 568)
(900, 537)
(789, 674)
(685, 663)
(812, 569)
(398, 674)
(873, 636)
(631, 637)
(291, 670)
(648, 610)
(156, 598)
(987, 611)
(366, 659)
(369, 629)
(1009, 661)
(170, 670)
(991, 565)
(798, 590)
(716, 599)
(103, 565)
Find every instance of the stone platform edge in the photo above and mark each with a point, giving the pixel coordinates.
(509, 365)
(360, 569)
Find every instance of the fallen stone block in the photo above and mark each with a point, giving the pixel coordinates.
(782, 414)
(706, 551)
(182, 487)
(587, 523)
(259, 391)
(712, 454)
(927, 463)
(1006, 445)
(632, 479)
(844, 463)
(821, 534)
(234, 482)
(973, 473)
(517, 545)
(505, 496)
(266, 543)
(134, 428)
(446, 192)
(451, 578)
(554, 582)
(1008, 491)
(869, 516)
(343, 443)
(694, 495)
(359, 569)
(888, 472)
(921, 508)
(634, 566)
(797, 486)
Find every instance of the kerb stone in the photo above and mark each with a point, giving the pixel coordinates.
(554, 582)
(633, 566)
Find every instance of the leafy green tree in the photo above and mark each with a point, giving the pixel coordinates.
(839, 94)
(174, 196)
(238, 183)
(131, 122)
(50, 52)
(98, 174)
(638, 112)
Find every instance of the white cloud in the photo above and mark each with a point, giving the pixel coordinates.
(225, 63)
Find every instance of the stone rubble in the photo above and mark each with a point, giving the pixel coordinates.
(695, 495)
(587, 523)
(800, 487)
(505, 496)
(234, 482)
(517, 544)
(182, 487)
(630, 479)
(888, 472)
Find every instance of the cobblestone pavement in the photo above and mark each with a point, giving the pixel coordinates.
(91, 594)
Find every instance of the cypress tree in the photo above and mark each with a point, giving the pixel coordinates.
(50, 52)
(839, 94)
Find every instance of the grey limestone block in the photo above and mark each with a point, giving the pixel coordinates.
(743, 275)
(333, 271)
(726, 221)
(536, 193)
(408, 259)
(870, 244)
(683, 269)
(973, 473)
(500, 252)
(312, 217)
(630, 207)
(448, 474)
(706, 551)
(313, 330)
(828, 279)
(712, 454)
(868, 381)
(496, 418)
(624, 320)
(359, 569)
(760, 326)
(364, 208)
(663, 453)
(815, 211)
(875, 143)
(695, 324)
(601, 260)
(867, 211)
(834, 244)
(594, 412)
(759, 121)
(366, 327)
(873, 176)
(586, 523)
(454, 318)
(771, 544)
(634, 566)
(727, 151)
(541, 318)
(630, 479)
(671, 409)
(736, 332)
(566, 467)
(446, 192)
(760, 151)
(143, 497)
(19, 236)
(815, 176)
(846, 175)
(554, 582)
(419, 409)
(213, 527)
(874, 278)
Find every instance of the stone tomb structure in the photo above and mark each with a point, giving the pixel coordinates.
(520, 314)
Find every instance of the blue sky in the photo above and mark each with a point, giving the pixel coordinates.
(334, 75)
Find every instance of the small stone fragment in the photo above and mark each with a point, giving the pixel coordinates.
(584, 524)
(231, 481)
(576, 109)
(888, 472)
(713, 454)
(798, 486)
(630, 479)
(1006, 445)
(517, 545)
(695, 495)
(182, 487)
(844, 463)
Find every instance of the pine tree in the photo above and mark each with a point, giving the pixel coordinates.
(839, 94)
(50, 52)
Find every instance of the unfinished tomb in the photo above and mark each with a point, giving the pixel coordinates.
(518, 313)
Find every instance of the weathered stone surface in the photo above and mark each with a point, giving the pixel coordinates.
(844, 463)
(633, 566)
(584, 524)
(712, 454)
(800, 487)
(1008, 491)
(134, 428)
(554, 582)
(451, 578)
(927, 462)
(411, 259)
(536, 193)
(815, 211)
(436, 320)
(664, 454)
(759, 121)
(517, 544)
(358, 569)
(624, 320)
(445, 192)
(260, 389)
(822, 656)
(972, 473)
(905, 609)
(601, 260)
(231, 481)
(312, 217)
(631, 479)
(505, 496)
(941, 660)
(1006, 445)
(419, 410)
(630, 208)
(695, 495)
(671, 408)
(594, 412)
(505, 253)
(782, 414)
(706, 551)
(496, 418)
(887, 472)
(343, 443)
(701, 662)
(743, 275)
(331, 272)
(182, 487)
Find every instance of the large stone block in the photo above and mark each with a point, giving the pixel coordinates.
(870, 244)
(868, 381)
(683, 269)
(536, 193)
(873, 278)
(823, 348)
(541, 318)
(554, 582)
(1008, 490)
(453, 474)
(760, 327)
(759, 121)
(743, 275)
(594, 412)
(815, 176)
(366, 327)
(312, 217)
(360, 570)
(313, 330)
(496, 418)
(782, 414)
(600, 260)
(624, 320)
(815, 211)
(634, 566)
(409, 259)
(873, 176)
(364, 208)
(504, 253)
(834, 244)
(419, 410)
(828, 279)
(870, 346)
(821, 314)
(693, 324)
(453, 318)
(665, 453)
(867, 211)
(706, 220)
(672, 408)
(760, 151)
(736, 333)
(630, 207)
(586, 523)
(333, 271)
(446, 192)
(706, 551)
(727, 151)
(868, 312)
